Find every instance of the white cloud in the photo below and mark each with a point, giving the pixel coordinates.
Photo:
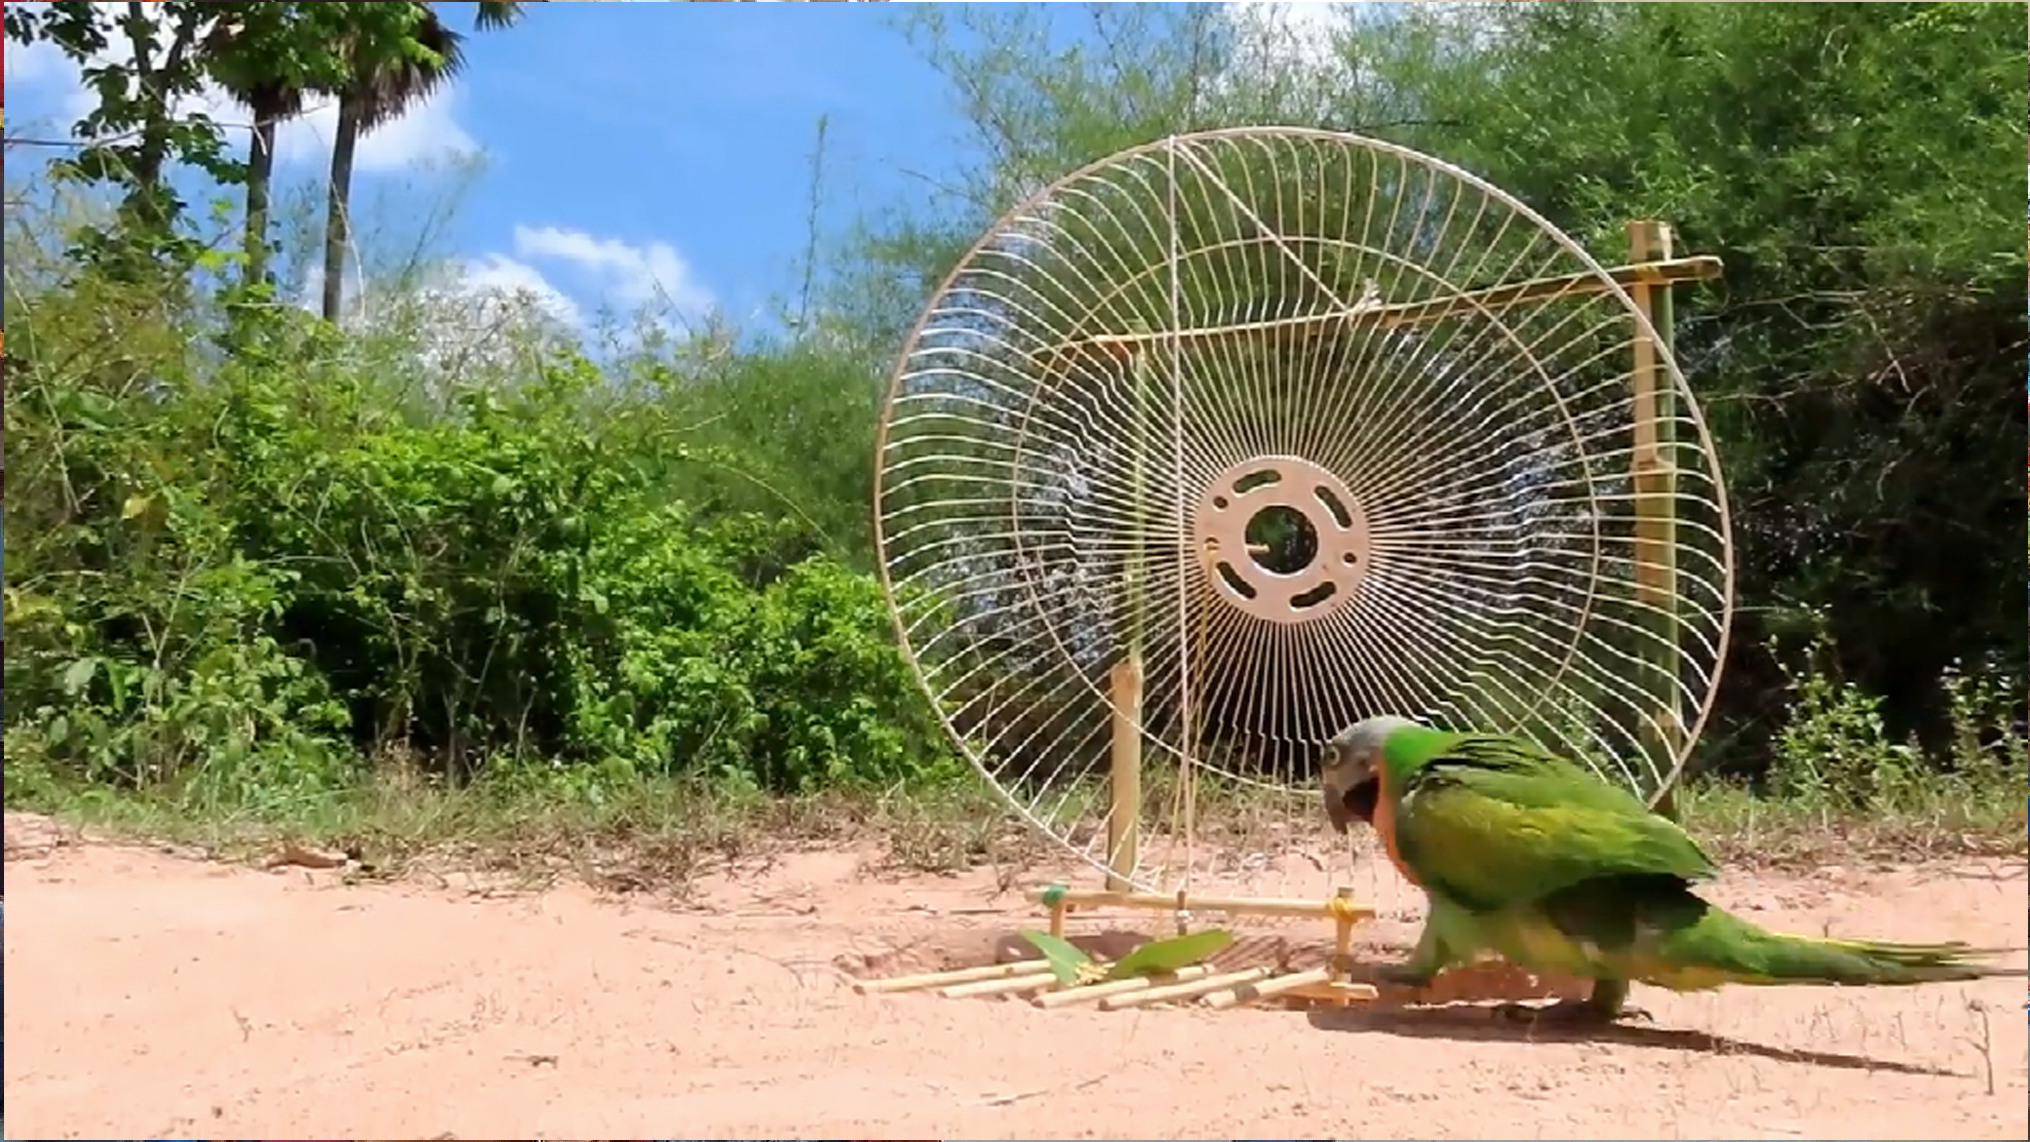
(499, 278)
(428, 131)
(488, 313)
(464, 305)
(500, 311)
(626, 275)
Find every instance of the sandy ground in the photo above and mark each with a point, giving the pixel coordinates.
(150, 995)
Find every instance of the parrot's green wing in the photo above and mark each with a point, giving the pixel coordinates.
(1493, 821)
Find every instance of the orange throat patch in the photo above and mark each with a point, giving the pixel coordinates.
(1385, 825)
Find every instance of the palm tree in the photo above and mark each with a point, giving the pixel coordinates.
(241, 59)
(272, 102)
(378, 93)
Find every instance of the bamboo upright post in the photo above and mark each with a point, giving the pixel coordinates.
(1655, 478)
(1124, 782)
(1344, 916)
(1124, 813)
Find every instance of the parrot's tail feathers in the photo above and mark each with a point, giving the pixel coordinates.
(1774, 958)
(1716, 948)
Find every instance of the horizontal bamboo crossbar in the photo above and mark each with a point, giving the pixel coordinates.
(1392, 316)
(1233, 905)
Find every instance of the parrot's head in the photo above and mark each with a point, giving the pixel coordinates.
(1352, 769)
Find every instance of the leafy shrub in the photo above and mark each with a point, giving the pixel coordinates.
(250, 575)
(1835, 754)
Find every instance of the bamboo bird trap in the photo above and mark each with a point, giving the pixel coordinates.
(1202, 982)
(1218, 445)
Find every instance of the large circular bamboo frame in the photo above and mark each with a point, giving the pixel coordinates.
(1505, 503)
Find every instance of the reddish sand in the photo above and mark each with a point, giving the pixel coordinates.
(153, 995)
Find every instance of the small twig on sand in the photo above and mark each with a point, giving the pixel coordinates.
(1012, 1099)
(1986, 1046)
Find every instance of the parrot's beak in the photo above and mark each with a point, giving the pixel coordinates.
(1337, 811)
(1351, 791)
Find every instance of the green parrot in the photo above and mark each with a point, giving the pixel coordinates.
(1531, 856)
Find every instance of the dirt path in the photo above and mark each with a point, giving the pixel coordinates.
(153, 996)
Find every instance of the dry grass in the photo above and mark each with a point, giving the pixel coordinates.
(1946, 820)
(658, 836)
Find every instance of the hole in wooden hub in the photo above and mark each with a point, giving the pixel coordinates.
(1281, 540)
(1260, 478)
(1304, 600)
(1233, 579)
(1341, 514)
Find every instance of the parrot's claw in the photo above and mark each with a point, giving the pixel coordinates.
(1402, 975)
(1570, 1013)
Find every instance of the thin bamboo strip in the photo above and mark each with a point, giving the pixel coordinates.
(1013, 985)
(1094, 992)
(1267, 988)
(1237, 905)
(1653, 273)
(923, 980)
(1190, 989)
(1333, 991)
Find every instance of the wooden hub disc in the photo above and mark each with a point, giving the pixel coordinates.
(1282, 539)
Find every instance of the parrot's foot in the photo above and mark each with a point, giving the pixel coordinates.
(1570, 1013)
(1403, 975)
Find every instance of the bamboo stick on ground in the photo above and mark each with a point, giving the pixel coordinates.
(1267, 988)
(1093, 992)
(1190, 989)
(1333, 991)
(923, 980)
(1013, 985)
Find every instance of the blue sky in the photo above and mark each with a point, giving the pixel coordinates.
(694, 125)
(633, 152)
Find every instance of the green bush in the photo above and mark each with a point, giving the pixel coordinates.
(252, 575)
(1835, 755)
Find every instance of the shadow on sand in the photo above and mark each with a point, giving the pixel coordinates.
(1482, 1023)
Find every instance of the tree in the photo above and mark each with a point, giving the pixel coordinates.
(1861, 361)
(384, 80)
(146, 62)
(269, 58)
(135, 129)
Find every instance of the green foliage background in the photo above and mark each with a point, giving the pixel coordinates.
(255, 558)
